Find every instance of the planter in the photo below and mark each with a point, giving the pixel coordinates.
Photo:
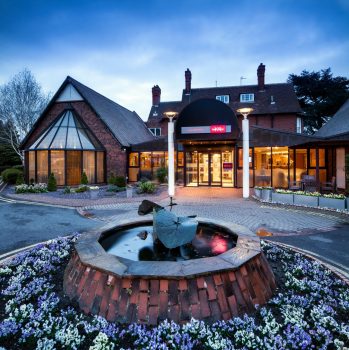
(310, 201)
(266, 194)
(129, 192)
(285, 198)
(333, 203)
(94, 194)
(258, 192)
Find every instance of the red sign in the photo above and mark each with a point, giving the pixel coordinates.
(218, 129)
(227, 165)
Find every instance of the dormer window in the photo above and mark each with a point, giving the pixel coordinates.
(155, 131)
(223, 98)
(246, 97)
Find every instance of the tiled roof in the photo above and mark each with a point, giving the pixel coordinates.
(157, 112)
(338, 124)
(126, 126)
(274, 99)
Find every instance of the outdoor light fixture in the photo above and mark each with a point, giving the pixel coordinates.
(171, 176)
(245, 151)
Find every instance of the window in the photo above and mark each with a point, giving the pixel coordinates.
(223, 98)
(155, 131)
(133, 159)
(299, 125)
(246, 97)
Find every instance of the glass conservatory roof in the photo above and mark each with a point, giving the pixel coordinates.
(67, 133)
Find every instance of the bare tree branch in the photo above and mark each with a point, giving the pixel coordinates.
(21, 103)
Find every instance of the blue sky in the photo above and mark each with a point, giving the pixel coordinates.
(122, 48)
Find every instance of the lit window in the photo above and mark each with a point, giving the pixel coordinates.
(299, 125)
(246, 97)
(223, 98)
(155, 131)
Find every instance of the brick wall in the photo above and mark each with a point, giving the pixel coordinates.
(285, 122)
(115, 157)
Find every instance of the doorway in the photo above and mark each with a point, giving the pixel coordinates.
(213, 168)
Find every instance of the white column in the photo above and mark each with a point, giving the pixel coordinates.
(171, 175)
(246, 155)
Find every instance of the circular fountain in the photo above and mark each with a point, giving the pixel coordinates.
(126, 275)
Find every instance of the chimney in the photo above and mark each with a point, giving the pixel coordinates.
(156, 92)
(187, 75)
(261, 76)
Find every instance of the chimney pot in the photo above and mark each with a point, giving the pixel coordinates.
(187, 75)
(261, 77)
(156, 93)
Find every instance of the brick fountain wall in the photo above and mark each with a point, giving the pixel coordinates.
(127, 298)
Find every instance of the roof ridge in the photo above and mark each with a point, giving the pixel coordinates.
(72, 80)
(237, 86)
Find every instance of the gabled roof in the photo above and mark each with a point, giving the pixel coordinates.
(127, 127)
(338, 124)
(274, 99)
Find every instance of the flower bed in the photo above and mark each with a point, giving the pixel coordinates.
(311, 199)
(309, 310)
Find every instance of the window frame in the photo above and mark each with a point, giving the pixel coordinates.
(223, 98)
(247, 97)
(154, 131)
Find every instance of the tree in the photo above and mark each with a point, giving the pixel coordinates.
(320, 96)
(8, 156)
(21, 103)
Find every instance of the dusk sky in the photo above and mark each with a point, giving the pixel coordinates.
(122, 48)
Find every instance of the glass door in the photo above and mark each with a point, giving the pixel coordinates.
(203, 169)
(191, 168)
(215, 169)
(228, 169)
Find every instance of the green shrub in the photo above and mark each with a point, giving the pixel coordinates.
(81, 188)
(31, 181)
(84, 179)
(114, 188)
(146, 187)
(161, 174)
(111, 179)
(120, 181)
(10, 175)
(67, 190)
(52, 183)
(20, 179)
(19, 167)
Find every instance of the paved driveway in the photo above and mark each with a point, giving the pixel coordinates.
(326, 234)
(22, 224)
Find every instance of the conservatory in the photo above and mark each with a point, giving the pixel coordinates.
(66, 149)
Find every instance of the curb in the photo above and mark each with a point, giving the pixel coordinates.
(9, 255)
(344, 276)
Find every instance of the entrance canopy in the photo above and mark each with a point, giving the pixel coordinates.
(207, 120)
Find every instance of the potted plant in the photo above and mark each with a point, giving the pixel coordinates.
(266, 193)
(258, 191)
(282, 196)
(310, 199)
(332, 200)
(94, 190)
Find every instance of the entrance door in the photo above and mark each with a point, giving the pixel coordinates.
(216, 169)
(204, 159)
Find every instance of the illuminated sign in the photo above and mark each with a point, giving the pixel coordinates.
(217, 129)
(227, 165)
(211, 129)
